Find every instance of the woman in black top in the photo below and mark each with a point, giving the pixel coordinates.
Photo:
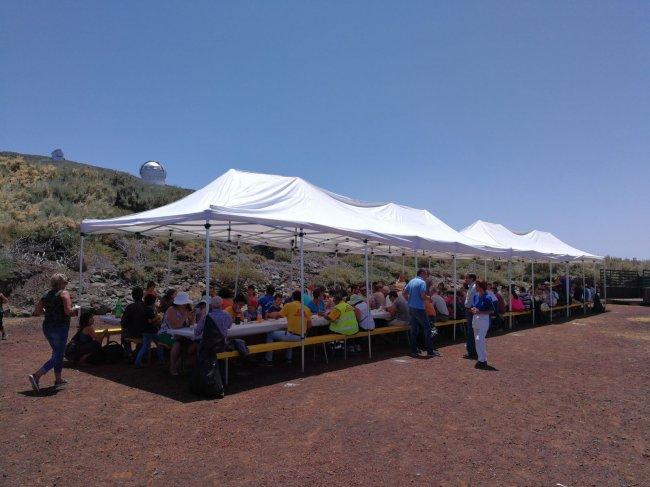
(56, 305)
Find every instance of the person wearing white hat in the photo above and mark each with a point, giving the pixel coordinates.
(178, 315)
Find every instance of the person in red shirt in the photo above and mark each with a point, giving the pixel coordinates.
(253, 303)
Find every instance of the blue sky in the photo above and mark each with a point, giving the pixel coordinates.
(531, 114)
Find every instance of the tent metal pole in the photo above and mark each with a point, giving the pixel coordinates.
(532, 288)
(336, 265)
(550, 290)
(455, 303)
(604, 282)
(584, 289)
(81, 271)
(237, 270)
(169, 256)
(365, 258)
(302, 307)
(510, 293)
(207, 257)
(567, 290)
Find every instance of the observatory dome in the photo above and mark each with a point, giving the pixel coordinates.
(153, 172)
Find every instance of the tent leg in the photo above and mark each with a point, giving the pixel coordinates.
(510, 293)
(81, 271)
(207, 257)
(455, 313)
(532, 290)
(237, 270)
(584, 290)
(302, 307)
(169, 257)
(365, 260)
(550, 290)
(567, 290)
(604, 282)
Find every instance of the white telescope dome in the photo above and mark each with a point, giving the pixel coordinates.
(153, 172)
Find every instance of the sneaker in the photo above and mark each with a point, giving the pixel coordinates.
(34, 382)
(481, 365)
(60, 383)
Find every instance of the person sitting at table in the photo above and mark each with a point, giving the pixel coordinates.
(267, 300)
(252, 303)
(317, 304)
(235, 309)
(342, 317)
(398, 309)
(150, 331)
(179, 315)
(86, 345)
(377, 300)
(442, 312)
(151, 289)
(363, 314)
(516, 304)
(132, 321)
(501, 306)
(200, 310)
(226, 294)
(166, 300)
(223, 322)
(292, 312)
(355, 292)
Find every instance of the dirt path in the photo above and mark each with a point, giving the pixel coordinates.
(568, 405)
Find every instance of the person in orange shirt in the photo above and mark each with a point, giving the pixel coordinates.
(235, 309)
(292, 311)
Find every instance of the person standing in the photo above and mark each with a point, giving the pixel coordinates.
(470, 281)
(480, 313)
(56, 306)
(415, 294)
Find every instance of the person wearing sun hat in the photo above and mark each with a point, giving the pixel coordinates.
(178, 315)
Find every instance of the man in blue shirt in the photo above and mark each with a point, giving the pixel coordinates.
(415, 292)
(266, 301)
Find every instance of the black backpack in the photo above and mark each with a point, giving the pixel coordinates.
(206, 377)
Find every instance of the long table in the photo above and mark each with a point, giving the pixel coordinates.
(266, 326)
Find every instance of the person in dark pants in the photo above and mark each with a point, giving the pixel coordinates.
(470, 280)
(56, 305)
(415, 293)
(133, 321)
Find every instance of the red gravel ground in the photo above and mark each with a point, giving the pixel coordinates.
(569, 405)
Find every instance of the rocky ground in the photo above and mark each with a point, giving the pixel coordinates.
(567, 406)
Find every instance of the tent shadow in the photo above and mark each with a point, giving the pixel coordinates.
(247, 374)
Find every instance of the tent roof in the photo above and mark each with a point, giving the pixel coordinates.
(263, 209)
(531, 245)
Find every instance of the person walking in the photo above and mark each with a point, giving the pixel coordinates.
(56, 306)
(470, 280)
(415, 293)
(480, 313)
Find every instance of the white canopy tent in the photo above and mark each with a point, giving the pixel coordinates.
(534, 246)
(289, 212)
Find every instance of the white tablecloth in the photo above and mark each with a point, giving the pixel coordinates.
(266, 326)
